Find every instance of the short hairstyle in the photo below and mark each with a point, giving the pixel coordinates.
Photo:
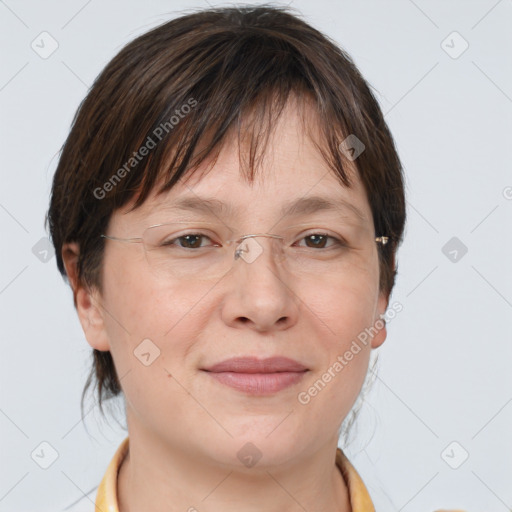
(181, 87)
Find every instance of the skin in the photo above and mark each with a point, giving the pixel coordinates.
(186, 428)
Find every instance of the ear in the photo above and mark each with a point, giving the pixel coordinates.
(87, 301)
(380, 324)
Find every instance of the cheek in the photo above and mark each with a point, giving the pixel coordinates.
(152, 325)
(151, 330)
(341, 315)
(344, 307)
(140, 304)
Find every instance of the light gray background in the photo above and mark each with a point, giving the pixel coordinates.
(444, 371)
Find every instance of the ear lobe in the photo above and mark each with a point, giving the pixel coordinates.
(380, 324)
(87, 301)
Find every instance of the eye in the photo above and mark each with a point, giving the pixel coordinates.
(188, 241)
(320, 241)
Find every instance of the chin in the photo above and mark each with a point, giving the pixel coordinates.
(255, 447)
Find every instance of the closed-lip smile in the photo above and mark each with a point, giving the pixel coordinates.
(258, 376)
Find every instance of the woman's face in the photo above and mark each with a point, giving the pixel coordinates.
(164, 331)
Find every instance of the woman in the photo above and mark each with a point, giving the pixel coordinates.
(227, 209)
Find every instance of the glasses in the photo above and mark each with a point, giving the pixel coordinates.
(199, 250)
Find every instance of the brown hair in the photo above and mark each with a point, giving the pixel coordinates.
(185, 84)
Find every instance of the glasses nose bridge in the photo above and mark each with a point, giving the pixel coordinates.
(248, 249)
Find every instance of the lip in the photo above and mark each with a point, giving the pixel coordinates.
(255, 365)
(258, 376)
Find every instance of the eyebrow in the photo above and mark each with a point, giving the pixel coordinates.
(301, 206)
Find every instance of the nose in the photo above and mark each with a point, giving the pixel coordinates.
(260, 294)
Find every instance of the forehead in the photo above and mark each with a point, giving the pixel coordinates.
(291, 177)
(306, 205)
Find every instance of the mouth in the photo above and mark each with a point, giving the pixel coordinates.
(258, 376)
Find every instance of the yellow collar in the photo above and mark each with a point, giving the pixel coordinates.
(106, 497)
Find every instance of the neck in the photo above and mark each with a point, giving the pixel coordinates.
(166, 479)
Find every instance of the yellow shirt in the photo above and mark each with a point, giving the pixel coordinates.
(106, 497)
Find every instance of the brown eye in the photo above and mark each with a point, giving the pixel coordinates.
(190, 241)
(321, 241)
(317, 240)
